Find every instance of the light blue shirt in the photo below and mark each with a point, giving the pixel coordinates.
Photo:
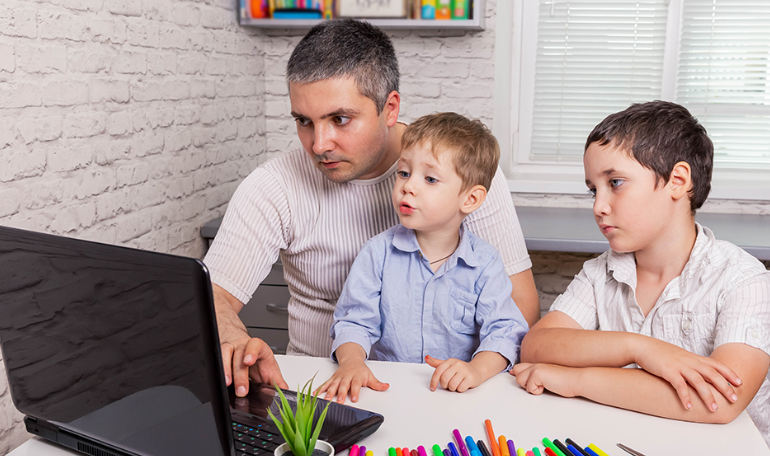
(396, 308)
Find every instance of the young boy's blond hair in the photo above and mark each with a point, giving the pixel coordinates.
(474, 148)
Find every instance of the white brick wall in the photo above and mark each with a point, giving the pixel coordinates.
(132, 122)
(125, 122)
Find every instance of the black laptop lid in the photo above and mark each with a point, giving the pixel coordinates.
(112, 343)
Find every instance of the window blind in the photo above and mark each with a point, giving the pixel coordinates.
(594, 57)
(723, 75)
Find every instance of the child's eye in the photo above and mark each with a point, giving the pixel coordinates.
(341, 120)
(302, 121)
(592, 192)
(431, 180)
(403, 174)
(616, 182)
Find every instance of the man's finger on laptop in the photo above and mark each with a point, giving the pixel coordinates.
(227, 359)
(240, 372)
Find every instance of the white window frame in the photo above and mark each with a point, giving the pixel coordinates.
(515, 54)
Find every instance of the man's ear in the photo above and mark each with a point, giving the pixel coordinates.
(392, 107)
(473, 199)
(680, 181)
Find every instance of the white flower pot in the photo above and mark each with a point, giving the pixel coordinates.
(319, 445)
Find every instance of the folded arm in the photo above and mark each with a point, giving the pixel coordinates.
(641, 391)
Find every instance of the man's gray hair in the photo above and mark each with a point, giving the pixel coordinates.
(347, 48)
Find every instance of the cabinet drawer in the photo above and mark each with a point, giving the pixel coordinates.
(276, 339)
(267, 308)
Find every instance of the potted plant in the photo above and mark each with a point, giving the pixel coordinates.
(297, 428)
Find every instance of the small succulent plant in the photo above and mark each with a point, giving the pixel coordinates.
(297, 428)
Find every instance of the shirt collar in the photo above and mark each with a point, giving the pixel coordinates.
(405, 240)
(622, 266)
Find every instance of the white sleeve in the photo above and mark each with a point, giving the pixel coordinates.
(579, 299)
(496, 222)
(254, 230)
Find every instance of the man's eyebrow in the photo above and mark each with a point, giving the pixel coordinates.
(608, 172)
(338, 112)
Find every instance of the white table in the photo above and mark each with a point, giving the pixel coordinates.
(416, 416)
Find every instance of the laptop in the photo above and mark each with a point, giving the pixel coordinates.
(115, 351)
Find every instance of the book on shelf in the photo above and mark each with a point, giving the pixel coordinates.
(364, 9)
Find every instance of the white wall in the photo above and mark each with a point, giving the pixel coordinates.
(124, 121)
(132, 122)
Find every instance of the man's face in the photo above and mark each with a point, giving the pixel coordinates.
(631, 210)
(340, 128)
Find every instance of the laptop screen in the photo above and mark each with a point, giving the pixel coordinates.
(112, 343)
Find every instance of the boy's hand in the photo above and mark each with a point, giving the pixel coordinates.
(680, 367)
(536, 378)
(453, 374)
(349, 378)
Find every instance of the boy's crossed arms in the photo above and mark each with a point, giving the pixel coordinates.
(671, 382)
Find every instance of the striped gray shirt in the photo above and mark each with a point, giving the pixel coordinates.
(722, 296)
(288, 207)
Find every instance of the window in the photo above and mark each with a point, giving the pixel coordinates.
(573, 62)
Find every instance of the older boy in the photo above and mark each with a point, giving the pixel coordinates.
(691, 312)
(429, 287)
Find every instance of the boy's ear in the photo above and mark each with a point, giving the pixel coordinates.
(680, 180)
(473, 199)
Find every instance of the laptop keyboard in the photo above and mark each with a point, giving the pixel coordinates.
(258, 440)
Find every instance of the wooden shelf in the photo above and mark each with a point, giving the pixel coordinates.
(477, 23)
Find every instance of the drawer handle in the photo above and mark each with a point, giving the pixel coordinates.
(276, 308)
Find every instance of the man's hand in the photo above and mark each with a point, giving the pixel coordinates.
(351, 376)
(679, 367)
(453, 374)
(536, 378)
(242, 355)
(250, 358)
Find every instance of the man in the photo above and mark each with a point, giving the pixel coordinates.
(316, 207)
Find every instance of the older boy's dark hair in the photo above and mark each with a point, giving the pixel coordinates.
(474, 149)
(347, 48)
(658, 135)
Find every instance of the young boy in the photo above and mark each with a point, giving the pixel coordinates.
(429, 289)
(691, 312)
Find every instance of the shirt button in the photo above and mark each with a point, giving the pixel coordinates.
(686, 325)
(754, 333)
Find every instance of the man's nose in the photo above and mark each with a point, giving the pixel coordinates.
(322, 139)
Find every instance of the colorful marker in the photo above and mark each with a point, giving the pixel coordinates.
(447, 452)
(471, 445)
(557, 443)
(547, 442)
(577, 447)
(437, 451)
(549, 452)
(521, 452)
(391, 451)
(362, 451)
(483, 448)
(405, 452)
(492, 439)
(511, 448)
(369, 453)
(597, 450)
(504, 446)
(415, 453)
(475, 452)
(590, 451)
(354, 450)
(460, 443)
(529, 453)
(574, 450)
(421, 451)
(453, 449)
(536, 451)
